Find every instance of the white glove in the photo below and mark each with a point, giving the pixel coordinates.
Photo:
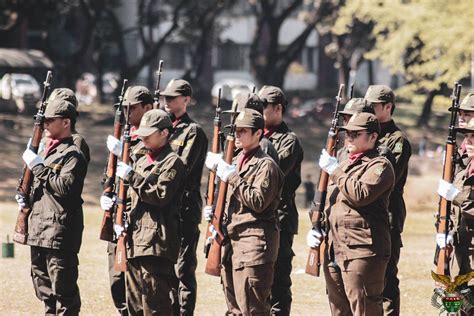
(447, 190)
(107, 202)
(212, 160)
(224, 170)
(21, 200)
(31, 159)
(118, 229)
(314, 237)
(40, 147)
(442, 240)
(123, 170)
(327, 163)
(208, 212)
(114, 145)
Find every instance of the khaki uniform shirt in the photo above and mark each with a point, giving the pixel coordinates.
(156, 192)
(465, 199)
(190, 142)
(392, 137)
(56, 219)
(357, 214)
(252, 199)
(81, 143)
(290, 154)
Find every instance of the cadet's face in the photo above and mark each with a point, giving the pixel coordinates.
(382, 111)
(156, 140)
(245, 139)
(272, 114)
(359, 141)
(176, 105)
(469, 138)
(136, 113)
(464, 117)
(56, 128)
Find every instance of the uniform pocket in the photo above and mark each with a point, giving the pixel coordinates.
(357, 232)
(253, 240)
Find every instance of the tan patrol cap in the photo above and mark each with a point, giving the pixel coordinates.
(152, 121)
(136, 95)
(467, 103)
(64, 94)
(356, 105)
(272, 94)
(60, 108)
(247, 101)
(250, 118)
(177, 87)
(469, 128)
(379, 94)
(361, 122)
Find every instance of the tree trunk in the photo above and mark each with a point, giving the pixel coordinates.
(426, 112)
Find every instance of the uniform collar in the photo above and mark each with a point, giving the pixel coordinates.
(252, 161)
(58, 145)
(282, 128)
(388, 128)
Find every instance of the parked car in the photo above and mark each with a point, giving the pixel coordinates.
(236, 86)
(21, 89)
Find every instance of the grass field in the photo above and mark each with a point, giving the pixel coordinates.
(17, 295)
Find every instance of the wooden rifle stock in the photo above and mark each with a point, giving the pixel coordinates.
(20, 234)
(443, 255)
(213, 263)
(156, 99)
(211, 182)
(316, 255)
(107, 225)
(120, 263)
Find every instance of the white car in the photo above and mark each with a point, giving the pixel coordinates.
(234, 87)
(21, 88)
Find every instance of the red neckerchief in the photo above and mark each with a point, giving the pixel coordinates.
(463, 146)
(246, 156)
(151, 156)
(133, 136)
(177, 120)
(354, 157)
(267, 132)
(52, 143)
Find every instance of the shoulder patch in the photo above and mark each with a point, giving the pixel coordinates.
(172, 174)
(285, 153)
(398, 147)
(378, 171)
(265, 183)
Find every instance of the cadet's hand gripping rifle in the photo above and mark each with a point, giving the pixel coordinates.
(443, 255)
(317, 208)
(24, 186)
(106, 228)
(211, 182)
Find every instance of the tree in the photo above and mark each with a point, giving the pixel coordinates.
(428, 42)
(268, 59)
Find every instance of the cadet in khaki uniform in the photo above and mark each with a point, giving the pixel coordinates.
(156, 186)
(461, 193)
(68, 95)
(138, 100)
(382, 99)
(353, 106)
(56, 220)
(290, 154)
(252, 101)
(358, 240)
(189, 141)
(252, 225)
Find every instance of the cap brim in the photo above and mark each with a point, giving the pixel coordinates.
(464, 130)
(170, 94)
(352, 128)
(125, 103)
(346, 112)
(145, 131)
